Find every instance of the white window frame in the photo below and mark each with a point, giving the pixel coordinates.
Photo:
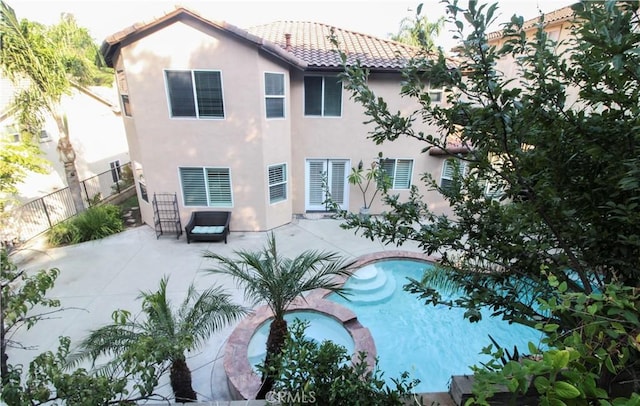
(335, 173)
(436, 94)
(139, 174)
(322, 96)
(281, 97)
(44, 136)
(207, 186)
(123, 90)
(284, 181)
(493, 191)
(394, 177)
(195, 95)
(11, 134)
(116, 170)
(447, 174)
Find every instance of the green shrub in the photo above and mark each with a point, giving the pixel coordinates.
(323, 374)
(95, 223)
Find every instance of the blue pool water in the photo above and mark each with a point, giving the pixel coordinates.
(321, 327)
(431, 343)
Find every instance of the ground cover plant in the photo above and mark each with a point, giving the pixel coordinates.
(325, 374)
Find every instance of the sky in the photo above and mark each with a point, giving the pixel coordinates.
(377, 18)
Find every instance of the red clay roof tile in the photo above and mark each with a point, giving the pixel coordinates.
(311, 42)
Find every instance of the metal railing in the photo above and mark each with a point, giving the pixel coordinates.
(39, 215)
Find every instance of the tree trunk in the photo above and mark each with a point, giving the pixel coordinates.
(275, 342)
(68, 159)
(4, 358)
(180, 377)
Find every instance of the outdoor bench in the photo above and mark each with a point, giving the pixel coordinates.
(208, 226)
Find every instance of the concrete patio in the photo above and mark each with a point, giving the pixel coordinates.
(101, 276)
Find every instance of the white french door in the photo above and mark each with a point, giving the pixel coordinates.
(322, 176)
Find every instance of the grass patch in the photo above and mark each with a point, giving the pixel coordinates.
(94, 223)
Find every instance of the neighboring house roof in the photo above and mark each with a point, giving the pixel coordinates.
(562, 14)
(307, 47)
(103, 94)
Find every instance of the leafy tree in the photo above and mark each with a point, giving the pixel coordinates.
(324, 374)
(47, 379)
(47, 382)
(81, 56)
(160, 339)
(593, 364)
(22, 293)
(16, 161)
(50, 60)
(567, 171)
(419, 31)
(277, 281)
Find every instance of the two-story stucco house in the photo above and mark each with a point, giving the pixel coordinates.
(253, 121)
(557, 26)
(95, 130)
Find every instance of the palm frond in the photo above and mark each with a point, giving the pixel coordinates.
(157, 307)
(210, 311)
(268, 277)
(110, 340)
(442, 279)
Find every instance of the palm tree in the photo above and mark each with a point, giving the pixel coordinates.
(418, 31)
(165, 334)
(269, 278)
(44, 64)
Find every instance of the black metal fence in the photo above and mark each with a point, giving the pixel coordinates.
(37, 216)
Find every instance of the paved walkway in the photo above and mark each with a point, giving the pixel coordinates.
(99, 277)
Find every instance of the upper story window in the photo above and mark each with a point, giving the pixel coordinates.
(195, 93)
(123, 89)
(436, 94)
(400, 171)
(274, 94)
(116, 170)
(44, 136)
(11, 134)
(322, 96)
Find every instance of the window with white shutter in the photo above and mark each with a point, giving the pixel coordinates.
(277, 183)
(448, 173)
(400, 172)
(206, 187)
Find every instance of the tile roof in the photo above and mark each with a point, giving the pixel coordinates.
(562, 14)
(309, 45)
(310, 41)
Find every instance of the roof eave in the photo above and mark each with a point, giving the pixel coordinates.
(112, 44)
(566, 14)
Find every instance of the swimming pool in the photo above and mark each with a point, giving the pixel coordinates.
(432, 343)
(321, 327)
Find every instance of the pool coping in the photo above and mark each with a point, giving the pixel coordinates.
(242, 380)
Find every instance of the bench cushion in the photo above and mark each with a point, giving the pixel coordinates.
(207, 229)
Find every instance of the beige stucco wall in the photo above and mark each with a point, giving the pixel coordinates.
(346, 138)
(559, 31)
